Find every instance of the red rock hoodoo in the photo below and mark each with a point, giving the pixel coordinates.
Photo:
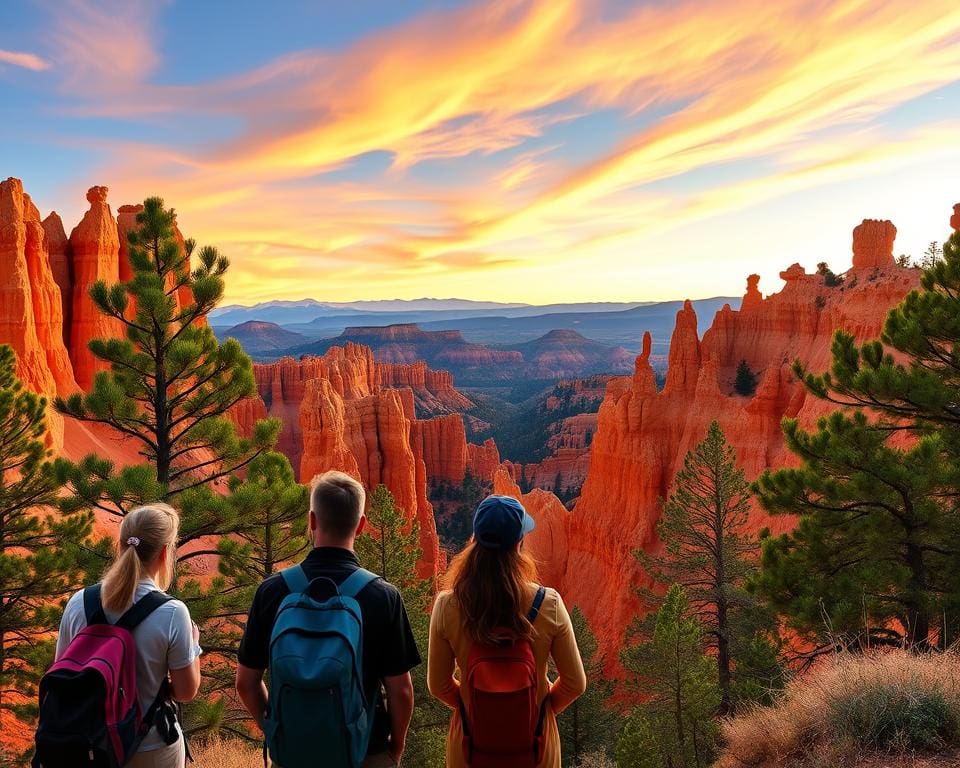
(873, 244)
(96, 256)
(642, 435)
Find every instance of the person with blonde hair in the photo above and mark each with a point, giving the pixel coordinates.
(166, 639)
(498, 627)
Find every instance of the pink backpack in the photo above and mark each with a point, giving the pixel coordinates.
(503, 724)
(89, 711)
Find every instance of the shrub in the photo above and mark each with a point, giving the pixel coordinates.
(849, 707)
(745, 382)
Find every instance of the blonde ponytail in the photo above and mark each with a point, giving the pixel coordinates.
(144, 533)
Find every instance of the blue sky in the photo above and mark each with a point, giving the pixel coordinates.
(563, 150)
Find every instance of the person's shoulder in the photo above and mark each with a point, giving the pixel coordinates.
(381, 589)
(74, 604)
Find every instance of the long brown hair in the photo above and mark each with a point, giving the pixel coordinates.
(491, 587)
(144, 533)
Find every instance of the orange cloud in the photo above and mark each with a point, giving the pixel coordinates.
(23, 59)
(793, 86)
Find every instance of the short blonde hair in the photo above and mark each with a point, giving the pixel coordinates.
(337, 501)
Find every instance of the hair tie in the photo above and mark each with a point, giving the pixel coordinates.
(133, 541)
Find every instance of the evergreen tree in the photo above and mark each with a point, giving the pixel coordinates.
(876, 545)
(270, 508)
(590, 724)
(273, 506)
(390, 547)
(42, 557)
(169, 392)
(746, 380)
(903, 494)
(674, 727)
(709, 551)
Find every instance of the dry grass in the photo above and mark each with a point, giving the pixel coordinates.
(889, 708)
(226, 753)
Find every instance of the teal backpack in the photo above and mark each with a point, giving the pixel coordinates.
(317, 702)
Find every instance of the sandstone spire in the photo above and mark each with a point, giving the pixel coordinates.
(873, 244)
(96, 250)
(58, 248)
(752, 298)
(683, 363)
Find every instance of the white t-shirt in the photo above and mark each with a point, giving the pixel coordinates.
(164, 642)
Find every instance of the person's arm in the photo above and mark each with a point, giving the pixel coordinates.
(399, 690)
(183, 655)
(252, 692)
(441, 662)
(185, 682)
(571, 681)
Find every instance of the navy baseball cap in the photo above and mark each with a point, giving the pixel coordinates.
(500, 522)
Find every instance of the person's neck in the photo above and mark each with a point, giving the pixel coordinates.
(321, 542)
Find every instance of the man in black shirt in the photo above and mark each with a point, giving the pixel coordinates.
(389, 650)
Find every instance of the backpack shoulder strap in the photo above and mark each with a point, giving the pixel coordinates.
(141, 609)
(537, 602)
(356, 581)
(295, 579)
(93, 606)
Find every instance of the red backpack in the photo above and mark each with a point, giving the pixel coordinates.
(89, 710)
(503, 724)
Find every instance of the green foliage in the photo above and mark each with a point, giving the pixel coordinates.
(453, 507)
(590, 724)
(674, 727)
(746, 381)
(829, 278)
(885, 717)
(876, 554)
(873, 545)
(708, 550)
(169, 393)
(390, 547)
(42, 557)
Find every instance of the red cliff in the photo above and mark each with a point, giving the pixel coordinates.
(642, 435)
(433, 391)
(61, 264)
(96, 256)
(873, 244)
(31, 309)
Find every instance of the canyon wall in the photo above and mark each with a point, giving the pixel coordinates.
(643, 434)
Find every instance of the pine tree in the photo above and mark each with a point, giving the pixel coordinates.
(270, 508)
(390, 547)
(905, 496)
(590, 724)
(169, 392)
(42, 557)
(674, 727)
(746, 380)
(876, 545)
(709, 551)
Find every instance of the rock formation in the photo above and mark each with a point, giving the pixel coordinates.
(433, 391)
(955, 219)
(31, 308)
(873, 244)
(442, 444)
(96, 256)
(643, 435)
(61, 264)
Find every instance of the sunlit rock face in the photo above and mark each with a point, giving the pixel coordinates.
(643, 434)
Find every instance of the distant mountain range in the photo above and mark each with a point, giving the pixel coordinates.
(258, 337)
(613, 324)
(325, 315)
(558, 354)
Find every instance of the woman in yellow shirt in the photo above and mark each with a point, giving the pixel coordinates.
(492, 587)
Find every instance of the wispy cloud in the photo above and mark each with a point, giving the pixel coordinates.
(24, 59)
(478, 110)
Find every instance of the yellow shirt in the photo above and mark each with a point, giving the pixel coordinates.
(450, 646)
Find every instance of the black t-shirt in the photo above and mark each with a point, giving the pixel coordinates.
(388, 645)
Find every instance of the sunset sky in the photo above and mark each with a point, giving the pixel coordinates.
(517, 151)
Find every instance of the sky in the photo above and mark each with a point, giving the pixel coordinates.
(553, 151)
